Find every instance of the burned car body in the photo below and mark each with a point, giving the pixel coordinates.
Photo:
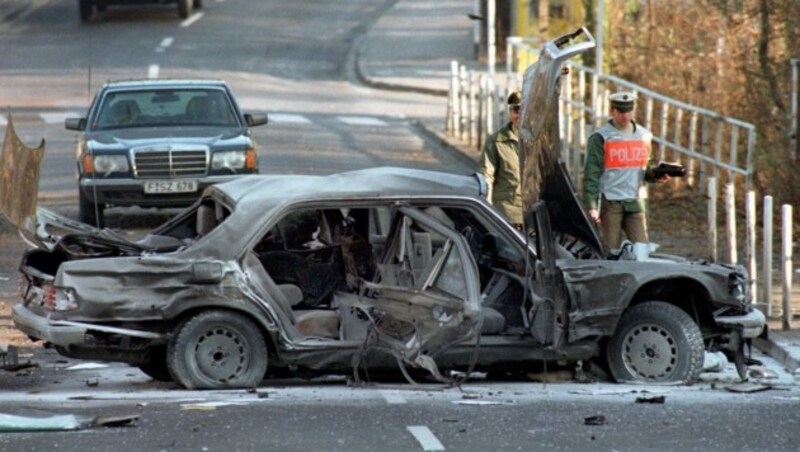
(371, 269)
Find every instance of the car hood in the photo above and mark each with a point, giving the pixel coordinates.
(544, 175)
(147, 136)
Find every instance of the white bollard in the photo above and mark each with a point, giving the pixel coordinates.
(463, 105)
(712, 219)
(750, 250)
(786, 261)
(472, 109)
(766, 259)
(452, 102)
(730, 229)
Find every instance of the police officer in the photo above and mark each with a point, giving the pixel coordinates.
(500, 164)
(617, 164)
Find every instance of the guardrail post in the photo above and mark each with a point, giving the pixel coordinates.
(482, 110)
(766, 260)
(786, 260)
(712, 219)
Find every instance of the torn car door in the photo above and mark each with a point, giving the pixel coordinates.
(417, 313)
(549, 311)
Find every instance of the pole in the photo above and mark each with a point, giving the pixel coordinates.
(490, 45)
(598, 60)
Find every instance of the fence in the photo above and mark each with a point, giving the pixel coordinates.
(715, 149)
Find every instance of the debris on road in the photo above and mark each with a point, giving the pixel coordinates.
(87, 366)
(9, 359)
(651, 399)
(60, 422)
(748, 387)
(595, 420)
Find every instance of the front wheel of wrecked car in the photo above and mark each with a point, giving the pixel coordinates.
(217, 349)
(655, 342)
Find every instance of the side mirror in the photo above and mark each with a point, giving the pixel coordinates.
(75, 124)
(255, 119)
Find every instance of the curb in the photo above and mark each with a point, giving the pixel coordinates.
(774, 350)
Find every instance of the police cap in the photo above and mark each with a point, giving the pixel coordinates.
(515, 98)
(622, 101)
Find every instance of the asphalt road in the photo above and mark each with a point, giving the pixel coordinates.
(293, 60)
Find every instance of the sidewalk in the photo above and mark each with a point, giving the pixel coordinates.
(410, 49)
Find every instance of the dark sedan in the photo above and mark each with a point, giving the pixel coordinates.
(159, 143)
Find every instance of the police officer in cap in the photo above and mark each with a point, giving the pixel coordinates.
(618, 162)
(500, 164)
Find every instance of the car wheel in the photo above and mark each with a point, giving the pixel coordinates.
(197, 4)
(89, 213)
(655, 342)
(217, 349)
(156, 366)
(184, 8)
(85, 9)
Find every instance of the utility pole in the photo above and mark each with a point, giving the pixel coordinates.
(490, 45)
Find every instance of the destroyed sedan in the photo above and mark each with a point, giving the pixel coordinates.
(368, 269)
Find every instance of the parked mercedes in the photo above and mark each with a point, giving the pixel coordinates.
(159, 143)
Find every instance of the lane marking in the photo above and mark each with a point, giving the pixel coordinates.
(152, 71)
(165, 43)
(425, 437)
(361, 121)
(288, 118)
(191, 19)
(392, 397)
(56, 117)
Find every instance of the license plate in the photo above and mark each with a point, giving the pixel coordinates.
(170, 186)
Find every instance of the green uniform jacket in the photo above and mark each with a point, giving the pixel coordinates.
(593, 170)
(500, 165)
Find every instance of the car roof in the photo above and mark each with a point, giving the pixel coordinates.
(380, 182)
(164, 83)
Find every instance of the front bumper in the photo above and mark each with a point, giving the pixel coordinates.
(751, 324)
(130, 192)
(65, 333)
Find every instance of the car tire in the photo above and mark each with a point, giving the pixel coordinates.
(655, 342)
(184, 8)
(217, 349)
(89, 213)
(85, 9)
(156, 366)
(198, 4)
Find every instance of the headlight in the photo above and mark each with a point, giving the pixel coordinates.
(229, 159)
(107, 164)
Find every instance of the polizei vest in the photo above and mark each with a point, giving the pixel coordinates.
(625, 158)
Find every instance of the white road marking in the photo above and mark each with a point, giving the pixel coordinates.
(87, 366)
(56, 117)
(425, 437)
(361, 121)
(392, 397)
(3, 120)
(191, 19)
(152, 71)
(288, 118)
(166, 42)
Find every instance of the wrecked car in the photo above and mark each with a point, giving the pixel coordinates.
(373, 269)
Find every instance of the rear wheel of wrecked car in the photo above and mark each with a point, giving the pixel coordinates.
(89, 213)
(217, 349)
(156, 366)
(655, 342)
(184, 8)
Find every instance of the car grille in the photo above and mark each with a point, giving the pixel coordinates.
(153, 164)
